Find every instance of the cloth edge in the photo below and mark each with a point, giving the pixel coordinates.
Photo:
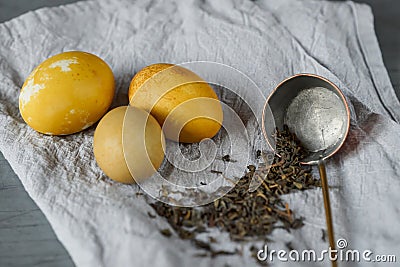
(369, 45)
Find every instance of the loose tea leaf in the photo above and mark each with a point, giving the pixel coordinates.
(227, 158)
(245, 215)
(166, 232)
(324, 234)
(151, 215)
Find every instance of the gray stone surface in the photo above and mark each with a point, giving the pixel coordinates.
(26, 238)
(387, 28)
(12, 8)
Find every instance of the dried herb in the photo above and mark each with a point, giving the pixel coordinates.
(227, 158)
(166, 232)
(324, 234)
(151, 215)
(248, 215)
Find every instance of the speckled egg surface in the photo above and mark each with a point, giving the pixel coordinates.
(67, 93)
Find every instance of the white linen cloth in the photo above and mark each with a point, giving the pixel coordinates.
(102, 223)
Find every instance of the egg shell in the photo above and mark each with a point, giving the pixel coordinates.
(128, 145)
(182, 102)
(67, 93)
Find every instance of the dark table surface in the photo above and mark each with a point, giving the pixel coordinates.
(27, 239)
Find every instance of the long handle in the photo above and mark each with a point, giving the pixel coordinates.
(327, 205)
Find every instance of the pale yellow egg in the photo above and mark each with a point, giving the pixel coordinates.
(128, 144)
(67, 93)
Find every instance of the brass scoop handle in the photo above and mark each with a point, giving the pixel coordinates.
(327, 205)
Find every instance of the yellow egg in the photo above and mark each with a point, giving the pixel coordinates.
(128, 150)
(181, 101)
(67, 93)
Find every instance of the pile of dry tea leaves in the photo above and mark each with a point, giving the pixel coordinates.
(247, 215)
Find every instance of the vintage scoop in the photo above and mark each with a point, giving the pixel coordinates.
(317, 112)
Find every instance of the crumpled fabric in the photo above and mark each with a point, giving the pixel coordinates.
(102, 223)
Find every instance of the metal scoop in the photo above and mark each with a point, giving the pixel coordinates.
(317, 112)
